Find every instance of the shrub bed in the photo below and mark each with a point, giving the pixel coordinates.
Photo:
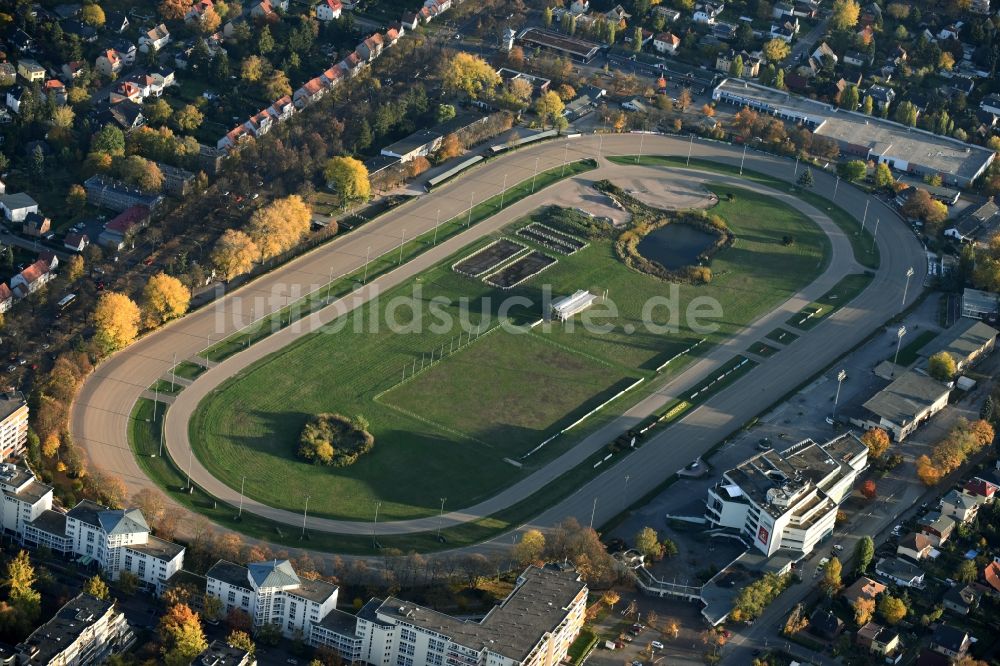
(335, 440)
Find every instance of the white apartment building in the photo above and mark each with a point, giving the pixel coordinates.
(13, 425)
(119, 540)
(788, 500)
(24, 498)
(272, 593)
(86, 630)
(533, 626)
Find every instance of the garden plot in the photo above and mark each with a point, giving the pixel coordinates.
(551, 239)
(517, 272)
(489, 258)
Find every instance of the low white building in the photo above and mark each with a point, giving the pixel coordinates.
(17, 206)
(86, 630)
(24, 498)
(329, 10)
(905, 404)
(119, 540)
(272, 593)
(533, 626)
(788, 500)
(570, 306)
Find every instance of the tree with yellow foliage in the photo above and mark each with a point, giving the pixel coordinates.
(469, 75)
(348, 178)
(549, 107)
(116, 321)
(279, 226)
(164, 298)
(864, 610)
(877, 441)
(209, 21)
(234, 254)
(844, 15)
(74, 268)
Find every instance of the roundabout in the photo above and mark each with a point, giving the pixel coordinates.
(102, 414)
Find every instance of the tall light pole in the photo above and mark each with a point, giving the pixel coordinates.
(642, 138)
(875, 233)
(173, 374)
(242, 485)
(402, 239)
(374, 524)
(441, 517)
(364, 280)
(436, 225)
(305, 512)
(625, 492)
(836, 186)
(841, 376)
(690, 146)
(503, 191)
(906, 287)
(865, 217)
(593, 511)
(900, 332)
(565, 159)
(796, 172)
(469, 220)
(534, 175)
(190, 460)
(743, 159)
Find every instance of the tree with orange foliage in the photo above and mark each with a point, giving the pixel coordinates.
(877, 441)
(450, 147)
(927, 472)
(182, 635)
(869, 490)
(708, 110)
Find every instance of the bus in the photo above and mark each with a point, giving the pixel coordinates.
(64, 303)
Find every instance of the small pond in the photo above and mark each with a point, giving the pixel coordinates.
(675, 246)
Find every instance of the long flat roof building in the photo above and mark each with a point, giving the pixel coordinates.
(903, 148)
(578, 49)
(905, 404)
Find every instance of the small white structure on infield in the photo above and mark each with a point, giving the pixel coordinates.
(569, 306)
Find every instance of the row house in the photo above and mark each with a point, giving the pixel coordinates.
(371, 48)
(233, 138)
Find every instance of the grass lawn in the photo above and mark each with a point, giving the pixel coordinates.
(447, 431)
(782, 336)
(909, 353)
(189, 370)
(841, 294)
(860, 243)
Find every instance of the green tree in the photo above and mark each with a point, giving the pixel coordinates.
(883, 176)
(849, 98)
(242, 640)
(736, 66)
(25, 601)
(941, 366)
(647, 542)
(852, 170)
(867, 105)
(864, 552)
(110, 140)
(445, 112)
(547, 17)
(831, 582)
(806, 179)
(265, 42)
(906, 114)
(966, 571)
(96, 587)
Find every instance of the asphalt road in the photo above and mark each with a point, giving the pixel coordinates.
(100, 414)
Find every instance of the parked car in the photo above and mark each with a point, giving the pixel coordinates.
(656, 645)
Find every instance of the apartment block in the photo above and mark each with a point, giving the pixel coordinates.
(13, 425)
(24, 498)
(86, 630)
(788, 499)
(533, 626)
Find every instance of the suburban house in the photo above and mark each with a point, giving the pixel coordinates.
(981, 488)
(900, 572)
(15, 95)
(937, 527)
(196, 12)
(967, 342)
(962, 599)
(823, 53)
(329, 10)
(6, 302)
(862, 588)
(109, 63)
(905, 404)
(34, 277)
(263, 9)
(311, 91)
(370, 48)
(787, 499)
(76, 242)
(951, 642)
(122, 228)
(961, 506)
(915, 546)
(86, 630)
(30, 70)
(36, 224)
(978, 222)
(221, 653)
(825, 624)
(282, 109)
(991, 574)
(17, 206)
(879, 640)
(233, 137)
(666, 42)
(154, 39)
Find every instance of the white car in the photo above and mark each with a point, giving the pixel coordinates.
(656, 645)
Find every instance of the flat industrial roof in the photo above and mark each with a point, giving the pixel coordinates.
(902, 400)
(883, 137)
(578, 47)
(964, 339)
